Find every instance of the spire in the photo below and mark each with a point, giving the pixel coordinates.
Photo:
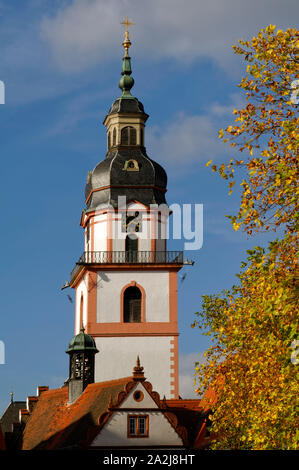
(126, 82)
(138, 371)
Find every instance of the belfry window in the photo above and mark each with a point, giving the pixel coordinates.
(132, 305)
(141, 137)
(114, 136)
(109, 140)
(128, 135)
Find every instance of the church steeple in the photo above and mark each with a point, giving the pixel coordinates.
(126, 280)
(127, 170)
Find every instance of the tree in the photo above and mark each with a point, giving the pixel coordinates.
(253, 325)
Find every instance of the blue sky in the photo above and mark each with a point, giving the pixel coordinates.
(61, 63)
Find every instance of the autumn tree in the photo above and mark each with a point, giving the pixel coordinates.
(253, 326)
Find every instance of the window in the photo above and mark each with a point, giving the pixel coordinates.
(132, 248)
(128, 135)
(109, 141)
(132, 305)
(141, 137)
(138, 426)
(114, 136)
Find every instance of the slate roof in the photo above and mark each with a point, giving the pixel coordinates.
(108, 180)
(2, 441)
(11, 415)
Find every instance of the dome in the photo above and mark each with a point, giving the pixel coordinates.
(109, 179)
(127, 105)
(82, 342)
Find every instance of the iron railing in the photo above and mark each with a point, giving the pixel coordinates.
(120, 257)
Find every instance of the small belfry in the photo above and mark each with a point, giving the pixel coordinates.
(126, 279)
(81, 350)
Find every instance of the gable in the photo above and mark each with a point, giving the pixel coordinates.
(139, 398)
(115, 431)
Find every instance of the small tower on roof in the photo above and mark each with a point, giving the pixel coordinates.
(82, 350)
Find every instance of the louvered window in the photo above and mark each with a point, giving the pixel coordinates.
(114, 136)
(128, 135)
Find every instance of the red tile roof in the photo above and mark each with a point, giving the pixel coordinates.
(56, 424)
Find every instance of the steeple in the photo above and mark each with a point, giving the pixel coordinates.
(127, 170)
(126, 82)
(126, 280)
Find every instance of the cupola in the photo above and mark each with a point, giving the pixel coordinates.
(82, 349)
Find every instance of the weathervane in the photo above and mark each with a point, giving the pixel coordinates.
(127, 42)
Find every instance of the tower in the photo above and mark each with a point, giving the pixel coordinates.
(126, 280)
(82, 350)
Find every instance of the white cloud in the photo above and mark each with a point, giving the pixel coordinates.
(87, 32)
(191, 139)
(187, 369)
(184, 139)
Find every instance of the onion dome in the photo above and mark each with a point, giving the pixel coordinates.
(82, 342)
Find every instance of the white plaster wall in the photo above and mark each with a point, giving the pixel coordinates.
(115, 431)
(118, 236)
(117, 358)
(81, 289)
(111, 283)
(146, 402)
(100, 232)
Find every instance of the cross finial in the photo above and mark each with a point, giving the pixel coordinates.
(127, 23)
(127, 43)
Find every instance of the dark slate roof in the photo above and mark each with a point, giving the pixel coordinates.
(2, 441)
(109, 180)
(11, 415)
(125, 105)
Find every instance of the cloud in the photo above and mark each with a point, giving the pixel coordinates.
(186, 376)
(191, 139)
(84, 33)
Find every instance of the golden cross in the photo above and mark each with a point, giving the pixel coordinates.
(127, 23)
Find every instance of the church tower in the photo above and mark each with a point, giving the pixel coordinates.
(126, 280)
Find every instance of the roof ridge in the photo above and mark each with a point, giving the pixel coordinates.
(109, 382)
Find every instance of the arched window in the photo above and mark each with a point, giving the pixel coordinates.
(132, 305)
(114, 136)
(128, 135)
(141, 137)
(109, 140)
(131, 248)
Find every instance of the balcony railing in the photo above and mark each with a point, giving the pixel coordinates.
(134, 257)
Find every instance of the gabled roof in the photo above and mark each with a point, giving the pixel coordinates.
(11, 415)
(56, 424)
